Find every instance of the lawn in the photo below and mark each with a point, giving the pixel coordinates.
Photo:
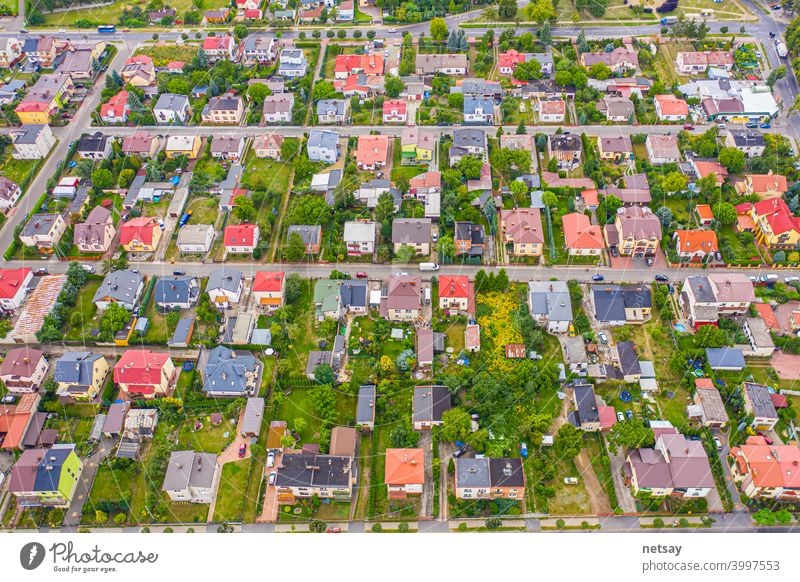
(110, 484)
(209, 439)
(164, 54)
(266, 174)
(565, 499)
(18, 170)
(156, 325)
(741, 252)
(71, 429)
(296, 404)
(455, 336)
(731, 10)
(82, 319)
(111, 14)
(204, 210)
(232, 493)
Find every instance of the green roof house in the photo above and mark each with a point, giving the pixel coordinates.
(326, 299)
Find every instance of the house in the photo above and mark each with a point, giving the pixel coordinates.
(43, 231)
(310, 234)
(95, 234)
(628, 362)
(21, 423)
(365, 407)
(775, 224)
(346, 11)
(619, 60)
(707, 397)
(694, 62)
(81, 375)
(456, 295)
(268, 145)
(24, 370)
(371, 64)
(404, 472)
(447, 64)
(293, 63)
(268, 289)
(252, 418)
(670, 108)
(333, 111)
(316, 359)
(751, 142)
(552, 111)
(323, 146)
(219, 48)
(114, 423)
(703, 214)
(140, 235)
(581, 236)
(94, 147)
(508, 61)
(42, 50)
(758, 402)
(469, 238)
(191, 477)
(14, 287)
(621, 304)
(696, 245)
(616, 109)
(183, 145)
(116, 109)
(227, 147)
(123, 287)
(676, 466)
(182, 337)
(401, 298)
(46, 477)
(225, 287)
(704, 299)
(636, 231)
(176, 292)
(278, 108)
(223, 110)
(478, 110)
(767, 471)
(145, 374)
(304, 475)
(228, 373)
(467, 142)
(549, 304)
(359, 237)
(354, 296)
(417, 144)
(50, 93)
(764, 185)
(78, 64)
(413, 232)
(32, 142)
(430, 403)
(730, 359)
(372, 152)
(662, 149)
(631, 189)
(615, 148)
(10, 52)
(172, 109)
(195, 238)
(703, 168)
(489, 478)
(326, 299)
(157, 16)
(758, 338)
(566, 149)
(257, 49)
(425, 346)
(521, 229)
(586, 415)
(143, 144)
(138, 71)
(241, 238)
(395, 111)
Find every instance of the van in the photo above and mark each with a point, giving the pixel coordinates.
(570, 480)
(772, 277)
(428, 267)
(427, 295)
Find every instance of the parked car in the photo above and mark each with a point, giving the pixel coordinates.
(662, 278)
(718, 443)
(179, 273)
(688, 126)
(620, 416)
(458, 452)
(771, 34)
(766, 438)
(392, 30)
(629, 414)
(603, 337)
(41, 272)
(791, 279)
(87, 268)
(765, 126)
(752, 125)
(362, 275)
(242, 450)
(271, 459)
(273, 477)
(570, 480)
(597, 277)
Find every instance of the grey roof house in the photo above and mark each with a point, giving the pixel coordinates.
(179, 291)
(123, 287)
(323, 146)
(253, 417)
(725, 359)
(229, 373)
(621, 304)
(549, 303)
(430, 403)
(191, 476)
(365, 407)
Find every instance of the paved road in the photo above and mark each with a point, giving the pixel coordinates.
(90, 465)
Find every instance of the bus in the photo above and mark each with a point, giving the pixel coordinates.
(107, 29)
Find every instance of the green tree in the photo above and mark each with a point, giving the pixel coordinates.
(240, 31)
(405, 253)
(456, 425)
(316, 525)
(493, 523)
(607, 209)
(103, 179)
(568, 442)
(725, 213)
(114, 319)
(546, 34)
(394, 86)
(764, 517)
(244, 210)
(549, 199)
(295, 248)
(507, 9)
(126, 176)
(323, 90)
(630, 434)
(600, 71)
(732, 158)
(540, 11)
(323, 374)
(438, 29)
(257, 92)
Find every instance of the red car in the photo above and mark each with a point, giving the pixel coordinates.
(688, 126)
(766, 438)
(361, 275)
(242, 450)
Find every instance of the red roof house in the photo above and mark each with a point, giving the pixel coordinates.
(507, 61)
(370, 65)
(145, 374)
(139, 234)
(372, 151)
(116, 110)
(241, 238)
(395, 111)
(13, 285)
(268, 289)
(456, 294)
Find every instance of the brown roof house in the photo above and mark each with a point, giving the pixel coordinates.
(635, 231)
(521, 228)
(96, 232)
(343, 441)
(676, 466)
(23, 370)
(413, 232)
(401, 298)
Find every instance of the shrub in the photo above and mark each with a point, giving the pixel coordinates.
(560, 524)
(462, 526)
(493, 523)
(377, 528)
(120, 518)
(403, 527)
(658, 522)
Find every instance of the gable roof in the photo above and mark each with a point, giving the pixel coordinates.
(550, 299)
(610, 301)
(430, 402)
(175, 289)
(139, 229)
(226, 370)
(691, 241)
(224, 278)
(268, 281)
(12, 280)
(240, 235)
(21, 362)
(76, 368)
(189, 469)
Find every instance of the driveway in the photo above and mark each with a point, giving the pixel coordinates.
(624, 497)
(72, 519)
(269, 511)
(426, 500)
(597, 497)
(723, 453)
(631, 263)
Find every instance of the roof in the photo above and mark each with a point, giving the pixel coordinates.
(139, 142)
(226, 144)
(365, 407)
(12, 280)
(628, 360)
(430, 63)
(638, 223)
(39, 470)
(472, 473)
(41, 224)
(760, 400)
(138, 229)
(329, 107)
(704, 211)
(76, 368)
(692, 241)
(505, 472)
(710, 400)
(732, 287)
(671, 105)
(224, 278)
(222, 103)
(611, 301)
(369, 64)
(140, 367)
(580, 233)
(343, 441)
(522, 225)
(194, 233)
(430, 402)
(767, 182)
(279, 103)
(253, 416)
(21, 362)
(222, 42)
(664, 146)
(40, 303)
(404, 467)
(768, 316)
(115, 107)
(586, 403)
(175, 289)
(746, 138)
(411, 231)
(240, 235)
(619, 55)
(119, 286)
(359, 231)
(403, 292)
(769, 466)
(314, 470)
(354, 294)
(550, 299)
(725, 358)
(474, 104)
(620, 144)
(189, 469)
(115, 418)
(322, 138)
(455, 286)
(552, 107)
(372, 149)
(171, 102)
(777, 214)
(310, 233)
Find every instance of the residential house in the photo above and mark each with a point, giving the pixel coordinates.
(145, 374)
(395, 111)
(14, 287)
(305, 475)
(241, 238)
(359, 237)
(703, 168)
(227, 147)
(372, 152)
(469, 238)
(621, 304)
(521, 229)
(95, 234)
(323, 146)
(705, 299)
(695, 62)
(21, 423)
(32, 142)
(401, 298)
(293, 63)
(94, 147)
(662, 149)
(77, 63)
(116, 109)
(467, 142)
(489, 478)
(81, 375)
(10, 52)
(447, 64)
(615, 148)
(552, 111)
(43, 231)
(42, 50)
(631, 189)
(619, 60)
(703, 214)
(225, 287)
(582, 238)
(195, 238)
(478, 110)
(758, 402)
(278, 108)
(727, 359)
(417, 145)
(712, 408)
(696, 245)
(636, 231)
(676, 466)
(157, 16)
(268, 145)
(430, 404)
(310, 234)
(216, 16)
(219, 48)
(456, 295)
(346, 11)
(253, 417)
(566, 148)
(508, 61)
(326, 299)
(586, 415)
(750, 141)
(550, 306)
(140, 235)
(775, 224)
(767, 471)
(183, 145)
(191, 477)
(143, 144)
(413, 232)
(228, 373)
(268, 289)
(763, 185)
(257, 49)
(122, 287)
(9, 193)
(24, 370)
(758, 337)
(333, 111)
(616, 109)
(172, 109)
(670, 108)
(354, 296)
(46, 477)
(628, 362)
(371, 64)
(224, 110)
(176, 292)
(365, 407)
(50, 93)
(138, 71)
(404, 472)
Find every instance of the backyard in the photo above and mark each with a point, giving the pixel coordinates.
(82, 319)
(232, 493)
(18, 170)
(111, 14)
(267, 174)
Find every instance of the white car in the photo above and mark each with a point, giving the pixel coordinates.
(273, 477)
(620, 416)
(791, 279)
(62, 30)
(603, 337)
(88, 268)
(271, 459)
(718, 443)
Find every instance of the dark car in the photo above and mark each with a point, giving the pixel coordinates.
(458, 452)
(242, 450)
(361, 275)
(41, 272)
(178, 273)
(771, 34)
(662, 278)
(629, 414)
(614, 252)
(597, 277)
(752, 125)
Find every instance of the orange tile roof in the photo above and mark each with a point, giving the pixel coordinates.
(769, 465)
(590, 197)
(140, 228)
(690, 241)
(704, 168)
(405, 467)
(510, 59)
(372, 149)
(767, 315)
(704, 211)
(15, 419)
(671, 105)
(703, 383)
(768, 183)
(371, 64)
(580, 233)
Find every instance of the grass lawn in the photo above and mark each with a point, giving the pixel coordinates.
(17, 170)
(204, 210)
(731, 10)
(231, 496)
(82, 319)
(209, 439)
(156, 324)
(741, 252)
(298, 405)
(164, 54)
(110, 14)
(110, 485)
(455, 337)
(71, 429)
(567, 499)
(266, 174)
